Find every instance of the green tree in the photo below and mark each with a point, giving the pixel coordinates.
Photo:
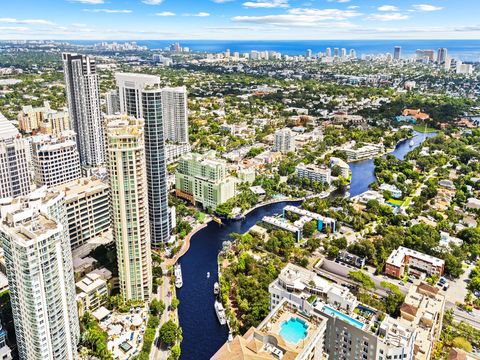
(169, 333)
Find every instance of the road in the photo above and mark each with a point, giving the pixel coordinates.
(339, 273)
(163, 294)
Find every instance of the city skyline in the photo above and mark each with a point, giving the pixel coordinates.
(240, 19)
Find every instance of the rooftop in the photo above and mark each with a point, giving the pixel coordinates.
(397, 257)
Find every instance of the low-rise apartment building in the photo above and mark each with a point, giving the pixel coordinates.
(314, 173)
(403, 257)
(92, 291)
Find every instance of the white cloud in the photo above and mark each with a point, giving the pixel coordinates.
(389, 17)
(152, 2)
(387, 8)
(339, 1)
(26, 21)
(14, 28)
(94, 2)
(266, 4)
(165, 13)
(221, 1)
(304, 18)
(108, 11)
(202, 14)
(427, 7)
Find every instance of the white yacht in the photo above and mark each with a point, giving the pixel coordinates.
(411, 143)
(216, 288)
(178, 276)
(222, 318)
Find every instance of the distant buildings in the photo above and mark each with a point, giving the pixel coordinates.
(175, 114)
(397, 52)
(83, 95)
(141, 97)
(40, 276)
(14, 155)
(55, 160)
(113, 102)
(402, 258)
(284, 141)
(428, 55)
(313, 173)
(43, 119)
(442, 55)
(128, 182)
(464, 69)
(203, 179)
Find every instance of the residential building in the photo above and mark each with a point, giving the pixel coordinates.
(83, 97)
(40, 276)
(5, 351)
(128, 184)
(397, 52)
(344, 167)
(428, 55)
(14, 155)
(269, 340)
(313, 173)
(396, 192)
(367, 151)
(112, 100)
(284, 141)
(92, 292)
(87, 202)
(55, 160)
(442, 55)
(173, 152)
(141, 97)
(44, 119)
(203, 179)
(415, 261)
(465, 69)
(175, 114)
(423, 308)
(351, 259)
(354, 330)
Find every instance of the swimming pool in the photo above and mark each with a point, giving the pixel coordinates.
(332, 312)
(294, 330)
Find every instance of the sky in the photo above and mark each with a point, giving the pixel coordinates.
(239, 19)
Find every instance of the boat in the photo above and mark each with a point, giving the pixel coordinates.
(216, 288)
(411, 143)
(222, 318)
(178, 276)
(217, 220)
(208, 274)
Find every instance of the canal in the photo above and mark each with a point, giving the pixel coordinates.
(202, 333)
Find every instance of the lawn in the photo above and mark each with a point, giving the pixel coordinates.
(395, 202)
(421, 128)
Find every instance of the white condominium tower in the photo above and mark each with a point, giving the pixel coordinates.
(55, 160)
(126, 166)
(141, 97)
(284, 141)
(175, 114)
(39, 267)
(14, 154)
(83, 95)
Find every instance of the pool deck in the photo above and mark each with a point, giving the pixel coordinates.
(274, 326)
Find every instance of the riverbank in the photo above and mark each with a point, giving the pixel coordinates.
(186, 244)
(270, 202)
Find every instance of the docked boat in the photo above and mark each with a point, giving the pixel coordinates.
(217, 220)
(178, 276)
(222, 318)
(216, 288)
(411, 143)
(208, 274)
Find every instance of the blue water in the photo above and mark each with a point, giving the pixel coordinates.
(363, 172)
(294, 330)
(335, 313)
(202, 333)
(466, 50)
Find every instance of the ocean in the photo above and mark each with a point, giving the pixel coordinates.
(465, 50)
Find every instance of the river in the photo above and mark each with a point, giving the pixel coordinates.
(363, 171)
(202, 333)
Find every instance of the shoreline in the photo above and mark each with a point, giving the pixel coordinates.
(186, 245)
(269, 202)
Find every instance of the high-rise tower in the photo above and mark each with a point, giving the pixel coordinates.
(126, 166)
(83, 95)
(141, 97)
